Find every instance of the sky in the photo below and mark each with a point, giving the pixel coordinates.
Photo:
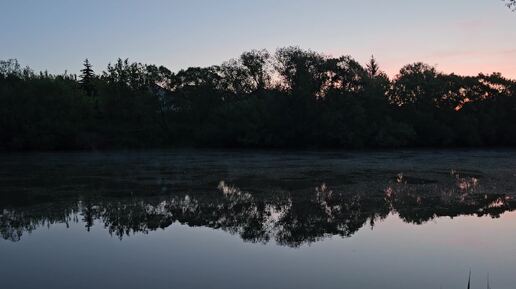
(460, 36)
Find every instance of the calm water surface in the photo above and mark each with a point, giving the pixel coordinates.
(222, 219)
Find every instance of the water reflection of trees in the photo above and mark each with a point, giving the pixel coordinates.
(287, 218)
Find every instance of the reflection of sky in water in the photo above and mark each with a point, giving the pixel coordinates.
(258, 220)
(392, 255)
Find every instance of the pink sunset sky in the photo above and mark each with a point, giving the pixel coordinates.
(461, 36)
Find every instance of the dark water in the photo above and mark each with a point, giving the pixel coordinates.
(214, 219)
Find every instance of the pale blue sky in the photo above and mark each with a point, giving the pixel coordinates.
(463, 36)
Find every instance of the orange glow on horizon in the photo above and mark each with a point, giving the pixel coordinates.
(460, 62)
(468, 63)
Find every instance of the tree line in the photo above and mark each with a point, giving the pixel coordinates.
(293, 98)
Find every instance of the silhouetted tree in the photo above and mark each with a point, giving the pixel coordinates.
(87, 77)
(256, 62)
(372, 68)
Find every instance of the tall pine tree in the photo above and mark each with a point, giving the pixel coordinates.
(373, 68)
(87, 77)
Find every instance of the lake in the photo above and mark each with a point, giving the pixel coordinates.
(258, 219)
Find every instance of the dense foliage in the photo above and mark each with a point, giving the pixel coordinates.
(293, 98)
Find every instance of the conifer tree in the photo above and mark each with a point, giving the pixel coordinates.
(87, 77)
(372, 67)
